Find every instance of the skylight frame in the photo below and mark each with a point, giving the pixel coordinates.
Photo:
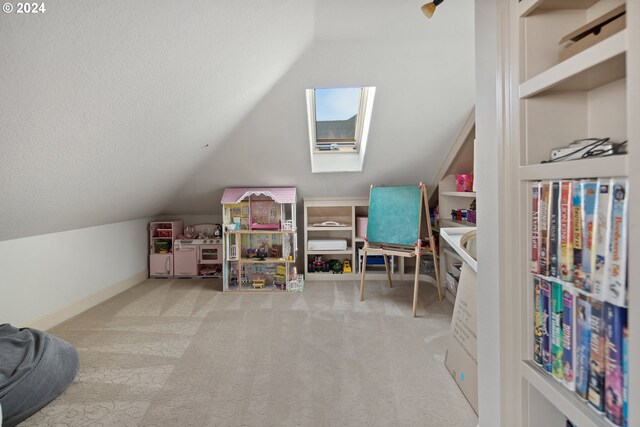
(340, 146)
(346, 160)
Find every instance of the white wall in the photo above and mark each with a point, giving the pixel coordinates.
(106, 106)
(215, 218)
(40, 275)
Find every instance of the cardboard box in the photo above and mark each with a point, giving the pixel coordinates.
(462, 349)
(594, 32)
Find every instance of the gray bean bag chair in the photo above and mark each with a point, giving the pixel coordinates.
(35, 367)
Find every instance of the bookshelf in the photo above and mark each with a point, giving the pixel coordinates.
(553, 102)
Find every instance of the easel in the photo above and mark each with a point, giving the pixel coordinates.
(405, 251)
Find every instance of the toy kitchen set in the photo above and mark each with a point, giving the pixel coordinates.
(192, 252)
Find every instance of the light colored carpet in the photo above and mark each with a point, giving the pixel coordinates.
(182, 353)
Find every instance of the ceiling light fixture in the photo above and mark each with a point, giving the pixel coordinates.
(429, 8)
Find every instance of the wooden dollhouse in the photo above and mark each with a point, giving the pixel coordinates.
(260, 239)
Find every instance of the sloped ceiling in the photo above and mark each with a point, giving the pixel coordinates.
(106, 107)
(424, 74)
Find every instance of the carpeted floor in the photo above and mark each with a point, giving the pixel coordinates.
(182, 353)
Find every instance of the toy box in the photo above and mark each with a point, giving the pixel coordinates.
(361, 226)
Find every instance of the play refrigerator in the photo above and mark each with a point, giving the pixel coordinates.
(162, 237)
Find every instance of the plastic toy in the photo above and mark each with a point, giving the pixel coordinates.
(335, 266)
(346, 266)
(318, 265)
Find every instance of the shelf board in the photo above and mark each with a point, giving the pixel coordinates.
(594, 67)
(603, 167)
(348, 251)
(526, 7)
(266, 261)
(323, 276)
(568, 402)
(359, 239)
(312, 228)
(458, 193)
(448, 222)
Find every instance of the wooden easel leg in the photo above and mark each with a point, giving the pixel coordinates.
(362, 273)
(386, 266)
(415, 286)
(432, 245)
(437, 270)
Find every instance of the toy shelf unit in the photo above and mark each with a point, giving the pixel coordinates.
(454, 208)
(568, 87)
(334, 232)
(330, 237)
(454, 204)
(162, 236)
(259, 239)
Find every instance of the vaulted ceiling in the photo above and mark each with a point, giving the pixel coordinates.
(124, 109)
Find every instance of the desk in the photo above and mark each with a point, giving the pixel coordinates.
(453, 235)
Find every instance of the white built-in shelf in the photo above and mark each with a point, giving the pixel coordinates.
(526, 7)
(458, 193)
(359, 239)
(594, 67)
(312, 228)
(567, 401)
(345, 252)
(575, 169)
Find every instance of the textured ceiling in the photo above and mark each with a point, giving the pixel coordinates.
(106, 107)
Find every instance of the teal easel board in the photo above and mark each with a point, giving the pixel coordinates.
(394, 215)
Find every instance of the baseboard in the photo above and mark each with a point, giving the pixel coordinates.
(65, 313)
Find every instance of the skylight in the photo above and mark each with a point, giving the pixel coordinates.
(338, 125)
(336, 117)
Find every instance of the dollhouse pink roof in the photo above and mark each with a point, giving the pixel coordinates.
(279, 194)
